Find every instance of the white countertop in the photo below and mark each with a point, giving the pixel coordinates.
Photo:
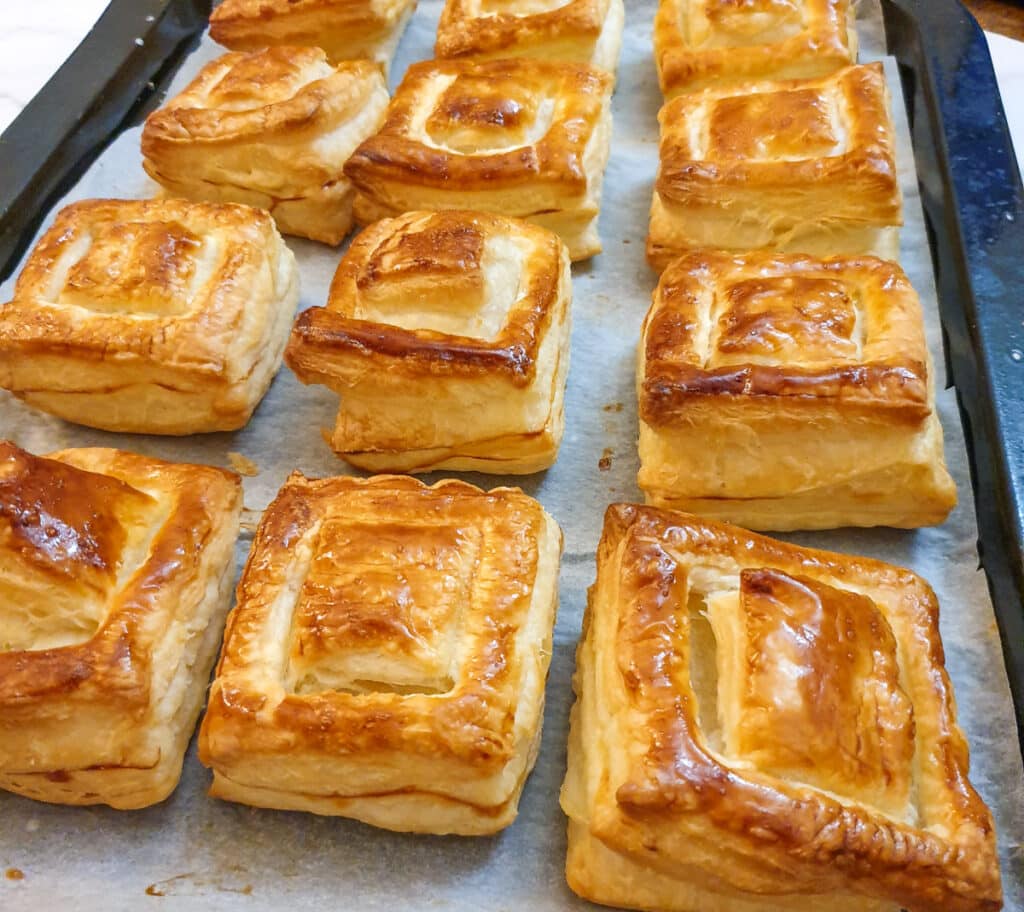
(1008, 60)
(39, 34)
(36, 38)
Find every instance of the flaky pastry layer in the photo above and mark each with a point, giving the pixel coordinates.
(523, 138)
(115, 619)
(407, 810)
(446, 335)
(387, 656)
(760, 726)
(803, 165)
(345, 29)
(150, 316)
(783, 391)
(272, 128)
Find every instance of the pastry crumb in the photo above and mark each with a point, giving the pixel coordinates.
(605, 462)
(243, 465)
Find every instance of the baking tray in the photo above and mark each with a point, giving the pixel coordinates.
(190, 846)
(970, 187)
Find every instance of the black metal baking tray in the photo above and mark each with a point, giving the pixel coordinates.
(974, 211)
(970, 184)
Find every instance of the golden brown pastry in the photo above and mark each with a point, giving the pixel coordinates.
(115, 576)
(387, 656)
(700, 43)
(580, 31)
(805, 166)
(780, 391)
(522, 138)
(272, 129)
(150, 316)
(446, 335)
(345, 29)
(761, 727)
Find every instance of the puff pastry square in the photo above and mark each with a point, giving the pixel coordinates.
(447, 336)
(806, 166)
(761, 727)
(388, 653)
(345, 29)
(580, 31)
(150, 316)
(701, 43)
(780, 391)
(115, 576)
(523, 138)
(271, 129)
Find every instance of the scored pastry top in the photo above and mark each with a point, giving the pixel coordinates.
(767, 326)
(64, 536)
(382, 614)
(818, 697)
(147, 280)
(465, 125)
(260, 94)
(821, 148)
(436, 293)
(698, 43)
(477, 27)
(91, 543)
(813, 737)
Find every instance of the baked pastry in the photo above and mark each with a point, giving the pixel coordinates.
(345, 29)
(580, 31)
(780, 391)
(804, 166)
(762, 727)
(271, 129)
(387, 656)
(523, 138)
(700, 43)
(115, 576)
(446, 335)
(150, 316)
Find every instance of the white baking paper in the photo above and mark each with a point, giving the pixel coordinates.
(192, 852)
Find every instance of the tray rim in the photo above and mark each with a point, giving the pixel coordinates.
(975, 221)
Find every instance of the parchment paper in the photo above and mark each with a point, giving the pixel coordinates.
(193, 852)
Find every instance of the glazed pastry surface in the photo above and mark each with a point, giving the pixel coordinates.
(701, 43)
(803, 166)
(270, 128)
(522, 138)
(783, 391)
(387, 656)
(115, 577)
(446, 335)
(580, 31)
(150, 316)
(760, 726)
